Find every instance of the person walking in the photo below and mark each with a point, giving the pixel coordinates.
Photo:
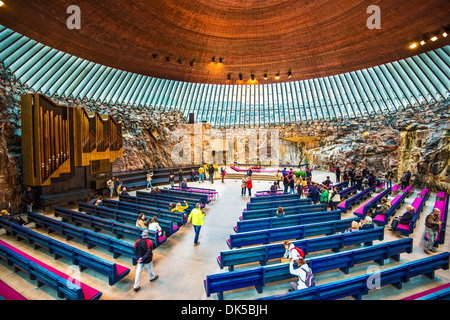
(338, 175)
(110, 185)
(196, 218)
(144, 256)
(149, 180)
(278, 177)
(171, 179)
(201, 175)
(249, 186)
(180, 177)
(291, 185)
(389, 177)
(223, 173)
(243, 186)
(211, 173)
(432, 224)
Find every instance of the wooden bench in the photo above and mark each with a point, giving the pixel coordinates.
(90, 238)
(290, 210)
(286, 221)
(119, 229)
(418, 205)
(275, 204)
(356, 286)
(260, 276)
(357, 198)
(363, 210)
(383, 219)
(84, 260)
(264, 253)
(47, 275)
(167, 226)
(280, 234)
(166, 214)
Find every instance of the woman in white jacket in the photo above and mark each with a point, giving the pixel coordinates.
(300, 272)
(154, 225)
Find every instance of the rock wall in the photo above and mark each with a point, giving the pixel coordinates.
(416, 139)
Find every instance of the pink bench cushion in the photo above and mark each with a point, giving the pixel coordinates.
(424, 192)
(403, 226)
(379, 217)
(121, 269)
(342, 205)
(9, 293)
(427, 292)
(89, 292)
(360, 210)
(175, 228)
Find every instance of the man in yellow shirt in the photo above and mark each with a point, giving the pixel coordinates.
(201, 175)
(196, 218)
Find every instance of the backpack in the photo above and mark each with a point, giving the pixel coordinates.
(310, 280)
(300, 251)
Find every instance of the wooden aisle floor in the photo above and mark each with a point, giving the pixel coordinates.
(182, 267)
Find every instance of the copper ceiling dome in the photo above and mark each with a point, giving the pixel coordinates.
(177, 39)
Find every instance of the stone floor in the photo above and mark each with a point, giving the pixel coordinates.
(182, 267)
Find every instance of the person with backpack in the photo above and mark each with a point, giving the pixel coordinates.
(144, 256)
(305, 276)
(292, 252)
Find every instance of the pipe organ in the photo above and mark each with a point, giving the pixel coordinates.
(66, 148)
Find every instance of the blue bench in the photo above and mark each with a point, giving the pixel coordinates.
(166, 214)
(126, 217)
(199, 197)
(242, 239)
(357, 286)
(90, 238)
(264, 253)
(350, 190)
(383, 219)
(260, 276)
(363, 210)
(418, 204)
(287, 221)
(98, 224)
(341, 185)
(357, 198)
(168, 198)
(46, 275)
(291, 210)
(84, 260)
(276, 204)
(275, 198)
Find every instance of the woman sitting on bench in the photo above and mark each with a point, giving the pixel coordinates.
(384, 207)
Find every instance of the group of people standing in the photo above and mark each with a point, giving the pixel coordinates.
(366, 178)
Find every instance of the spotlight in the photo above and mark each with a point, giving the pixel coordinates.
(289, 74)
(277, 76)
(240, 76)
(1, 3)
(265, 76)
(229, 76)
(213, 59)
(413, 45)
(253, 77)
(422, 42)
(434, 38)
(220, 60)
(445, 34)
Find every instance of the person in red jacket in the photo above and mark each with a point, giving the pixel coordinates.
(144, 255)
(249, 186)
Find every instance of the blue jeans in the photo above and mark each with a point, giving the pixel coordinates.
(111, 192)
(249, 191)
(197, 233)
(171, 184)
(292, 190)
(389, 183)
(431, 238)
(201, 177)
(149, 183)
(243, 190)
(286, 188)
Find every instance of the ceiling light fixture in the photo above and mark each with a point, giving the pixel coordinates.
(253, 77)
(191, 63)
(422, 42)
(445, 34)
(220, 60)
(213, 59)
(240, 76)
(265, 76)
(413, 45)
(289, 74)
(277, 76)
(434, 38)
(229, 76)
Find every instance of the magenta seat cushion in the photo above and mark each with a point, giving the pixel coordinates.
(9, 293)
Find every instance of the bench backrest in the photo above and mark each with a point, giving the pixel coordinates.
(287, 221)
(276, 204)
(113, 245)
(289, 210)
(275, 198)
(264, 253)
(357, 286)
(281, 234)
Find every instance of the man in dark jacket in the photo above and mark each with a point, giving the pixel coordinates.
(144, 256)
(28, 198)
(432, 225)
(403, 219)
(338, 174)
(211, 173)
